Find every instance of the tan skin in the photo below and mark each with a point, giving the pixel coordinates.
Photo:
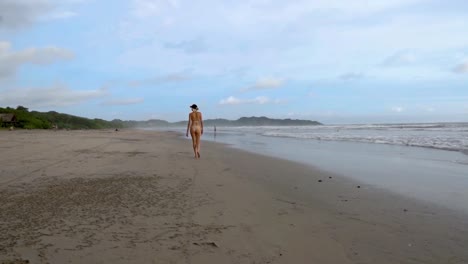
(195, 126)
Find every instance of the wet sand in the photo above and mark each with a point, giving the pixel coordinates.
(140, 197)
(432, 175)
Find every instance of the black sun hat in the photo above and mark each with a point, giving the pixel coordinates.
(194, 106)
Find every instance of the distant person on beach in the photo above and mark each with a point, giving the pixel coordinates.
(195, 124)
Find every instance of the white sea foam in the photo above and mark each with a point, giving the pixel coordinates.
(448, 136)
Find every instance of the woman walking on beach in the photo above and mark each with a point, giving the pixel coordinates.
(195, 124)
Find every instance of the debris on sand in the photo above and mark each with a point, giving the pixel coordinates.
(211, 244)
(15, 261)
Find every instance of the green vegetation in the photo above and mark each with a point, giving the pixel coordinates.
(262, 121)
(243, 121)
(39, 120)
(46, 120)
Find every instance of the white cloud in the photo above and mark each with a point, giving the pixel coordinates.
(461, 68)
(54, 96)
(149, 8)
(351, 76)
(169, 78)
(430, 109)
(265, 83)
(401, 58)
(127, 101)
(10, 60)
(188, 46)
(294, 38)
(267, 12)
(231, 100)
(16, 14)
(20, 13)
(424, 109)
(60, 15)
(397, 109)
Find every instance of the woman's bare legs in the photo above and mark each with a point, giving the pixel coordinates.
(197, 142)
(193, 134)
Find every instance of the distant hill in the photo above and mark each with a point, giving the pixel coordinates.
(45, 120)
(265, 121)
(247, 121)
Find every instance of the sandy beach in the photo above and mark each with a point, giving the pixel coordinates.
(140, 197)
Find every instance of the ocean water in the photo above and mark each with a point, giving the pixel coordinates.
(446, 136)
(423, 161)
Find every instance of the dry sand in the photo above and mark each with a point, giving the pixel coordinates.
(140, 197)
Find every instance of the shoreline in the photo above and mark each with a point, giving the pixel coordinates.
(430, 175)
(139, 196)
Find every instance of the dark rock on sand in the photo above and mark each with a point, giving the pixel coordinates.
(16, 261)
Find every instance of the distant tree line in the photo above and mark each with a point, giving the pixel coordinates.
(46, 120)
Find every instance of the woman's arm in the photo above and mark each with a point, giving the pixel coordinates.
(201, 121)
(188, 125)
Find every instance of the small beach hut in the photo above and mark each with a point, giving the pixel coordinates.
(8, 120)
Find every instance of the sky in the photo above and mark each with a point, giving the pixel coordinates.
(334, 61)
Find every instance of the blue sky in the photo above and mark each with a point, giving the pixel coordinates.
(353, 61)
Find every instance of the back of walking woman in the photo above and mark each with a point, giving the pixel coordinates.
(195, 125)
